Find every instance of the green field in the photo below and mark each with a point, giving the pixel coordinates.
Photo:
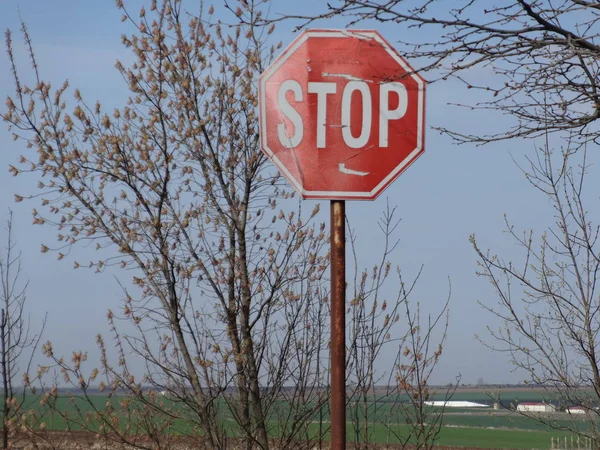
(468, 437)
(479, 428)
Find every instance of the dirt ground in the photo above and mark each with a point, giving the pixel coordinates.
(53, 440)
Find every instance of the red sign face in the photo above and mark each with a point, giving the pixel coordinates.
(341, 114)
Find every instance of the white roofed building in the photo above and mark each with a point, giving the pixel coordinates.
(535, 407)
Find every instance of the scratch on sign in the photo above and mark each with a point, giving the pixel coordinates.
(343, 169)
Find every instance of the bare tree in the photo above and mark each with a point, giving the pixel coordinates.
(174, 186)
(383, 320)
(393, 395)
(412, 395)
(541, 59)
(548, 301)
(228, 302)
(18, 341)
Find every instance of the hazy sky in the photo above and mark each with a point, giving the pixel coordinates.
(449, 193)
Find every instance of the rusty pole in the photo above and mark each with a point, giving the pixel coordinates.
(338, 325)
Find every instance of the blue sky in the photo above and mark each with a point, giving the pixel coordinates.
(449, 193)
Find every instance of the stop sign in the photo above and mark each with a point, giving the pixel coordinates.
(342, 114)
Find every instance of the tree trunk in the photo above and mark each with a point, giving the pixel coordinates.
(262, 437)
(5, 376)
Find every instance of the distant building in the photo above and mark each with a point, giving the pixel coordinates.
(576, 410)
(535, 407)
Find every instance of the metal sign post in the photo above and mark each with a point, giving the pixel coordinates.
(338, 325)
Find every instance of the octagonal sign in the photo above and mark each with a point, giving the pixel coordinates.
(342, 114)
